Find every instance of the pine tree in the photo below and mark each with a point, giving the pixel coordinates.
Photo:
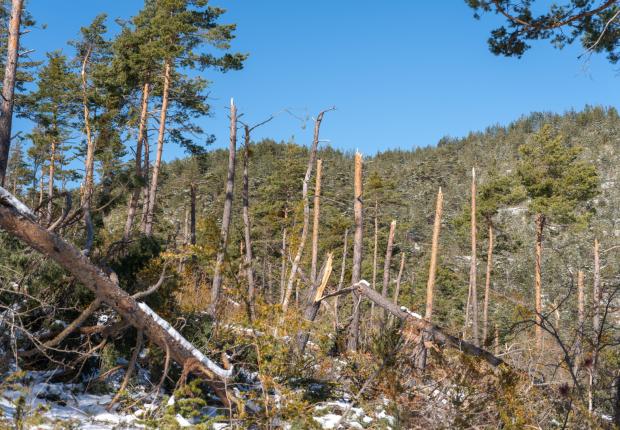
(558, 185)
(53, 108)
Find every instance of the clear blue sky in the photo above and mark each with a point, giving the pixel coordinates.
(401, 73)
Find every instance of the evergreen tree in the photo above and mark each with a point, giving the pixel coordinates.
(53, 107)
(558, 185)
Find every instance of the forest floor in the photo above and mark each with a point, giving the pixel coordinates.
(32, 401)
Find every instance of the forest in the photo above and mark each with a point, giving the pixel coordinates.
(280, 284)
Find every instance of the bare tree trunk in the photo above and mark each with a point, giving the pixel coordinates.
(283, 263)
(341, 281)
(387, 263)
(416, 327)
(192, 214)
(315, 221)
(17, 220)
(487, 287)
(8, 86)
(304, 230)
(358, 239)
(540, 225)
(148, 228)
(247, 227)
(432, 271)
(581, 319)
(146, 172)
(374, 260)
(227, 214)
(313, 300)
(135, 194)
(596, 323)
(50, 183)
(496, 340)
(473, 293)
(399, 277)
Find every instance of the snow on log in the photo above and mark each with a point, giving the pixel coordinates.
(19, 221)
(222, 373)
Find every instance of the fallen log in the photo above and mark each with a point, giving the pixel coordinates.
(19, 221)
(416, 324)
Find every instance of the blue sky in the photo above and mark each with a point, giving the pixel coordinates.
(401, 73)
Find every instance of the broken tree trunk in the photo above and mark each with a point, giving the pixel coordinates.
(358, 237)
(416, 325)
(17, 220)
(227, 214)
(8, 86)
(487, 287)
(313, 301)
(306, 221)
(581, 319)
(430, 285)
(540, 225)
(246, 223)
(387, 263)
(473, 293)
(315, 221)
(374, 260)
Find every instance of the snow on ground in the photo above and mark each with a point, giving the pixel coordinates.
(66, 404)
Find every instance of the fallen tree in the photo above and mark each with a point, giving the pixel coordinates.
(19, 221)
(417, 326)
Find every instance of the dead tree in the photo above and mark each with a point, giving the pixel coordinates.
(246, 218)
(374, 258)
(581, 319)
(138, 171)
(399, 277)
(341, 280)
(432, 271)
(50, 183)
(315, 220)
(17, 220)
(8, 86)
(356, 271)
(304, 230)
(473, 293)
(148, 228)
(387, 263)
(487, 286)
(415, 325)
(596, 322)
(540, 225)
(313, 300)
(227, 215)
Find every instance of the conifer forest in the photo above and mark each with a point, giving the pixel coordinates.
(159, 273)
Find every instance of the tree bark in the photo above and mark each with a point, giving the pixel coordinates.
(358, 237)
(596, 323)
(8, 86)
(283, 262)
(416, 325)
(247, 226)
(148, 228)
(343, 268)
(540, 225)
(473, 293)
(17, 220)
(135, 194)
(313, 301)
(304, 230)
(227, 214)
(387, 263)
(50, 183)
(315, 221)
(192, 214)
(432, 271)
(374, 260)
(581, 319)
(487, 287)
